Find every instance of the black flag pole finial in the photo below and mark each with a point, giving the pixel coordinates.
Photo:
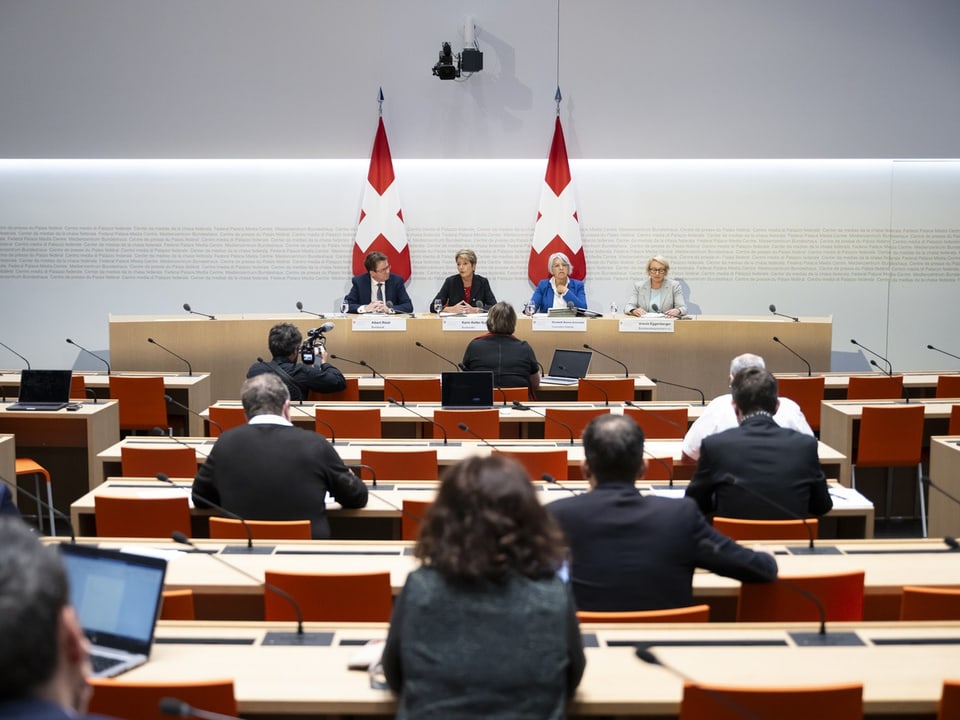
(558, 98)
(380, 102)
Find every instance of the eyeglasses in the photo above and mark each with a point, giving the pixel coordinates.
(657, 271)
(384, 269)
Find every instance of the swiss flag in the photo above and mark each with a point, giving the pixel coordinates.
(557, 228)
(381, 219)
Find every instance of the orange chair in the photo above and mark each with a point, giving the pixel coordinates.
(787, 599)
(574, 418)
(721, 702)
(176, 461)
(658, 468)
(413, 514)
(349, 394)
(78, 387)
(807, 392)
(178, 605)
(540, 462)
(892, 437)
(226, 418)
(662, 423)
(874, 387)
(506, 395)
(230, 529)
(929, 603)
(141, 700)
(954, 427)
(27, 466)
(141, 517)
(348, 423)
(741, 530)
(694, 613)
(616, 389)
(401, 464)
(412, 389)
(142, 401)
(330, 597)
(949, 708)
(948, 386)
(485, 423)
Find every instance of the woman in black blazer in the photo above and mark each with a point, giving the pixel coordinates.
(465, 292)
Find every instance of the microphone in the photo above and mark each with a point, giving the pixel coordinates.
(466, 429)
(668, 421)
(41, 505)
(548, 478)
(421, 345)
(328, 426)
(929, 347)
(186, 306)
(773, 309)
(194, 412)
(285, 376)
(172, 707)
(520, 406)
(160, 432)
(91, 353)
(778, 340)
(310, 312)
(372, 472)
(595, 386)
(92, 393)
(479, 305)
(17, 354)
(582, 312)
(703, 400)
(668, 468)
(389, 305)
(189, 367)
(497, 387)
(654, 307)
(354, 362)
(626, 370)
(374, 373)
(883, 370)
(952, 543)
(887, 362)
(422, 417)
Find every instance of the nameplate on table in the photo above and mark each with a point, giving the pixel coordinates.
(543, 323)
(381, 323)
(471, 323)
(647, 324)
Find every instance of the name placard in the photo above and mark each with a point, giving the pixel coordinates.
(647, 324)
(559, 324)
(471, 323)
(382, 323)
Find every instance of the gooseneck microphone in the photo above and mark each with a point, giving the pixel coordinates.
(466, 428)
(548, 478)
(17, 354)
(422, 417)
(41, 505)
(658, 416)
(773, 309)
(626, 370)
(180, 357)
(663, 464)
(599, 388)
(780, 342)
(89, 352)
(309, 312)
(328, 426)
(173, 707)
(929, 347)
(186, 306)
(520, 406)
(388, 381)
(889, 370)
(703, 399)
(432, 352)
(361, 466)
(190, 410)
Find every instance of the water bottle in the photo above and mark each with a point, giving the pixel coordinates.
(614, 308)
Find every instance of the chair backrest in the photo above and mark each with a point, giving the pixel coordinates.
(351, 393)
(662, 423)
(954, 427)
(929, 603)
(485, 423)
(874, 387)
(78, 386)
(412, 389)
(948, 386)
(693, 613)
(413, 512)
(741, 530)
(178, 461)
(890, 436)
(330, 597)
(538, 462)
(616, 389)
(949, 708)
(141, 401)
(807, 392)
(155, 517)
(121, 698)
(349, 422)
(226, 418)
(788, 599)
(575, 418)
(719, 702)
(658, 468)
(178, 605)
(401, 464)
(506, 395)
(230, 529)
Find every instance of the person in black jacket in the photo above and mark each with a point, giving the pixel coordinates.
(510, 359)
(284, 342)
(466, 291)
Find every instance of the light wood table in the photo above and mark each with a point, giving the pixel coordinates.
(945, 474)
(918, 384)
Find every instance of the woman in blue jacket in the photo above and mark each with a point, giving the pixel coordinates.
(558, 289)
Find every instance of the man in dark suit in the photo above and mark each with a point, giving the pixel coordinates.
(635, 552)
(270, 470)
(284, 343)
(759, 470)
(378, 290)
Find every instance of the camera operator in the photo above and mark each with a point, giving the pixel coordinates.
(312, 374)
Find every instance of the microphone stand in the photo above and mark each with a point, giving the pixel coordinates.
(599, 388)
(929, 347)
(703, 399)
(520, 406)
(17, 354)
(180, 357)
(446, 360)
(422, 417)
(778, 340)
(626, 370)
(309, 312)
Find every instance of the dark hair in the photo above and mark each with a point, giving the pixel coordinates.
(754, 389)
(264, 394)
(284, 339)
(613, 447)
(502, 319)
(487, 523)
(373, 259)
(33, 592)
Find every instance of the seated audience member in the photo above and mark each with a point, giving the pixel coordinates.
(6, 502)
(378, 290)
(485, 628)
(759, 470)
(657, 290)
(720, 415)
(44, 662)
(284, 342)
(270, 470)
(558, 289)
(466, 291)
(511, 359)
(638, 552)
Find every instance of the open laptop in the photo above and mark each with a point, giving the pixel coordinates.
(567, 367)
(43, 390)
(117, 597)
(468, 390)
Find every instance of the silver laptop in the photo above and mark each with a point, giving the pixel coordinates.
(117, 597)
(567, 367)
(43, 390)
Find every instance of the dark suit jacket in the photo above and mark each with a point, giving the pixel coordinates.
(635, 552)
(31, 709)
(277, 472)
(393, 291)
(6, 502)
(322, 378)
(452, 292)
(778, 466)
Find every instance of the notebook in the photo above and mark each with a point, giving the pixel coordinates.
(567, 367)
(468, 390)
(117, 597)
(43, 390)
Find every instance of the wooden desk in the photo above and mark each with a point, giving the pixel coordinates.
(8, 460)
(918, 384)
(945, 473)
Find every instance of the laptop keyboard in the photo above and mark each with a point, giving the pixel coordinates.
(101, 662)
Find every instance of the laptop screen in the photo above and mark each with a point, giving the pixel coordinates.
(468, 389)
(45, 386)
(570, 363)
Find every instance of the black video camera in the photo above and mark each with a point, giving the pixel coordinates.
(315, 337)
